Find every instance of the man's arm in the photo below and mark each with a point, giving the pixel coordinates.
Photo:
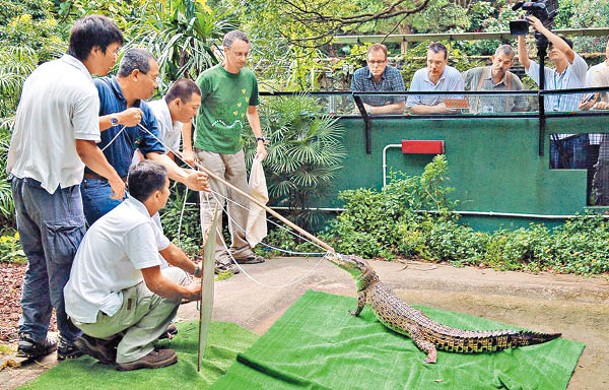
(187, 149)
(393, 108)
(161, 286)
(130, 117)
(176, 257)
(195, 180)
(421, 109)
(253, 119)
(93, 158)
(523, 55)
(556, 41)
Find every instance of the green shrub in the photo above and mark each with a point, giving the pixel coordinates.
(10, 249)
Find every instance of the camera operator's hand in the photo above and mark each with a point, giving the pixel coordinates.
(537, 25)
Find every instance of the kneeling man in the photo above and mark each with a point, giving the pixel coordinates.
(117, 294)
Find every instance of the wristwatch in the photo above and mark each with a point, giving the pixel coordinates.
(197, 273)
(260, 139)
(114, 120)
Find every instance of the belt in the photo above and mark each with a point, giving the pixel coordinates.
(92, 175)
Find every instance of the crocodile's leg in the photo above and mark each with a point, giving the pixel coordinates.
(426, 346)
(361, 302)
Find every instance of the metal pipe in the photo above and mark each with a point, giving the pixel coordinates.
(385, 160)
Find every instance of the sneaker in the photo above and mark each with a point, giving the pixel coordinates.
(169, 333)
(30, 349)
(221, 267)
(67, 350)
(251, 259)
(102, 350)
(156, 359)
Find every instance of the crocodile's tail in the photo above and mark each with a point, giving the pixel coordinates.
(523, 338)
(480, 342)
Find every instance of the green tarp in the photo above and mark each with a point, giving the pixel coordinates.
(224, 342)
(316, 344)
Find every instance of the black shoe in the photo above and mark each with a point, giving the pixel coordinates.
(30, 349)
(102, 350)
(251, 259)
(67, 350)
(169, 333)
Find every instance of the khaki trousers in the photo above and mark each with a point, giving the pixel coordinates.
(230, 167)
(143, 317)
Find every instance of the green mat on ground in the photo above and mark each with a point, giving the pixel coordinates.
(316, 344)
(225, 341)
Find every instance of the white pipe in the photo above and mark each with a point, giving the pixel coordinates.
(385, 160)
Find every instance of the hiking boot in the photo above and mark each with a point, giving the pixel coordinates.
(155, 359)
(221, 267)
(67, 350)
(30, 349)
(169, 333)
(102, 350)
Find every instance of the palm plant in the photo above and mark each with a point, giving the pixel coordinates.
(305, 151)
(16, 63)
(181, 34)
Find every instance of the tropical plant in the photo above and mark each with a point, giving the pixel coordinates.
(181, 34)
(305, 151)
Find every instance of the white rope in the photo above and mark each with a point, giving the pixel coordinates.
(215, 195)
(115, 137)
(232, 258)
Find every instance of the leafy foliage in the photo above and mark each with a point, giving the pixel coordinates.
(305, 151)
(180, 220)
(180, 34)
(10, 249)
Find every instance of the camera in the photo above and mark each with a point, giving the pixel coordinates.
(544, 10)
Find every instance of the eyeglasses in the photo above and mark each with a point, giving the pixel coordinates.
(155, 79)
(376, 62)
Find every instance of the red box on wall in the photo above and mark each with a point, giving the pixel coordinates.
(422, 146)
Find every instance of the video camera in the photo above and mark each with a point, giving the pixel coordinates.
(544, 10)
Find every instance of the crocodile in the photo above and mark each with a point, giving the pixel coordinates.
(427, 334)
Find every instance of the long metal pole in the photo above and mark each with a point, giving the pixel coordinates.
(264, 206)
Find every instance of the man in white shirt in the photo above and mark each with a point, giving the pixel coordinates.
(598, 76)
(569, 68)
(437, 76)
(118, 294)
(55, 136)
(566, 150)
(174, 113)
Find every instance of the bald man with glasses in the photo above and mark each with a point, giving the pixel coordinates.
(378, 76)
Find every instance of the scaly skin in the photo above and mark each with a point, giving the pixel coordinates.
(427, 334)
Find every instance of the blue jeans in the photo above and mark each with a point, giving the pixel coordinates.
(50, 228)
(96, 199)
(572, 153)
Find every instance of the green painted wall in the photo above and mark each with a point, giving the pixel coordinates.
(493, 163)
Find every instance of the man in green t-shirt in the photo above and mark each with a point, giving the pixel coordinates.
(229, 98)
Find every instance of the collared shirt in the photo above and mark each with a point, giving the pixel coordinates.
(598, 76)
(59, 105)
(391, 80)
(171, 132)
(110, 258)
(450, 80)
(481, 79)
(120, 152)
(574, 76)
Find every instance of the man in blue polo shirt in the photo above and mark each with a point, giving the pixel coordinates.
(129, 132)
(379, 77)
